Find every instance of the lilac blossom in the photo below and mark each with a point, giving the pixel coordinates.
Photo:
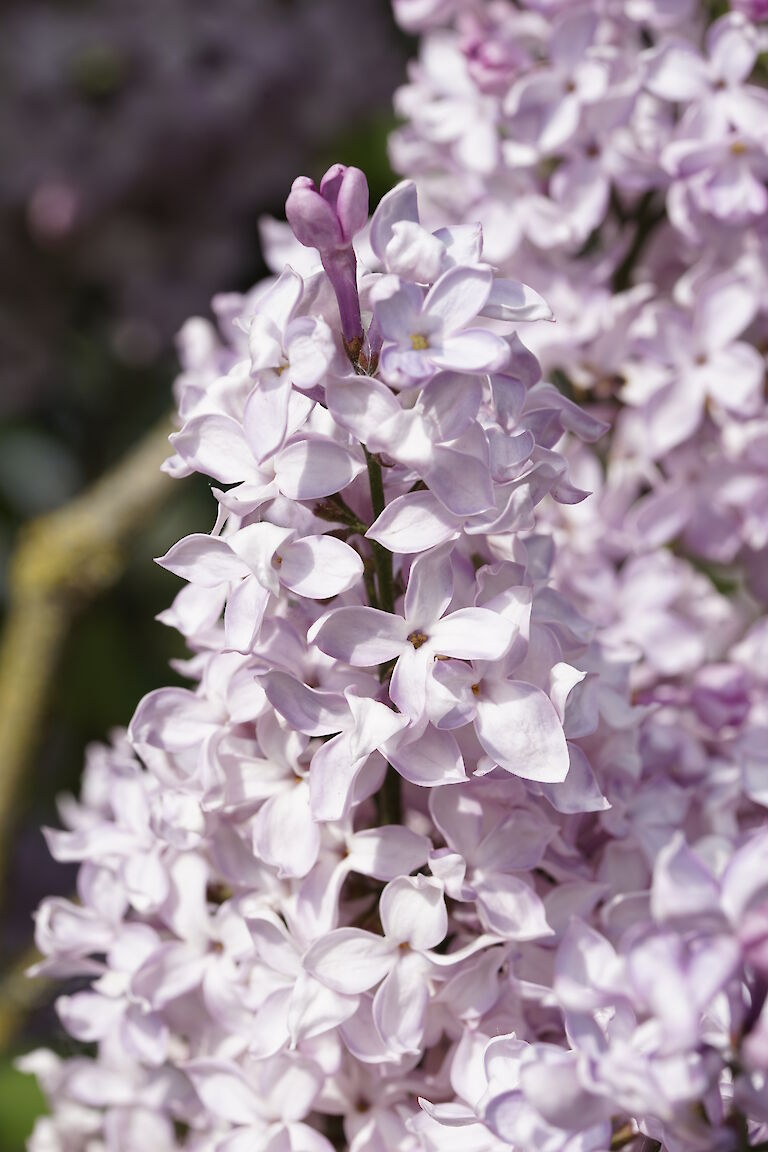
(457, 838)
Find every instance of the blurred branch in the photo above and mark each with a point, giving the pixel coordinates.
(63, 560)
(647, 215)
(18, 996)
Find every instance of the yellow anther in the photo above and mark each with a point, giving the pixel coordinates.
(418, 342)
(418, 638)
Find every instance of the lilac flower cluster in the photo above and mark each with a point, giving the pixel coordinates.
(616, 155)
(458, 839)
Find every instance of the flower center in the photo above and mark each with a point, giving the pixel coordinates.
(475, 689)
(418, 638)
(419, 342)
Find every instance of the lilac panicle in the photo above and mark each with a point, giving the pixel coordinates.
(457, 836)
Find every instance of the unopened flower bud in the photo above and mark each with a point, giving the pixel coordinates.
(312, 218)
(346, 190)
(328, 219)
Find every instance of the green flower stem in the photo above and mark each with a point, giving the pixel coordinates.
(388, 801)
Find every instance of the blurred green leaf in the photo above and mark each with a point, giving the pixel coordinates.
(21, 1102)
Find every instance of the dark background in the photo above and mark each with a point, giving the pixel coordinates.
(140, 142)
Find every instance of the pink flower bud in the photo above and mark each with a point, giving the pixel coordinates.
(346, 190)
(312, 218)
(328, 218)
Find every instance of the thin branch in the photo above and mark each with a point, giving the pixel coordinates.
(382, 557)
(61, 561)
(388, 801)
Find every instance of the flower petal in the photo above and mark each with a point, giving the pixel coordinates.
(511, 300)
(223, 1091)
(400, 203)
(203, 560)
(429, 761)
(458, 296)
(349, 960)
(360, 636)
(256, 545)
(265, 418)
(461, 482)
(399, 314)
(412, 911)
(430, 588)
(473, 634)
(518, 727)
(310, 348)
(309, 710)
(310, 469)
(332, 776)
(413, 523)
(510, 907)
(472, 350)
(319, 567)
(285, 835)
(400, 1006)
(387, 852)
(408, 685)
(244, 614)
(724, 307)
(216, 446)
(360, 410)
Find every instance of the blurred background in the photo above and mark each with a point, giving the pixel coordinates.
(139, 145)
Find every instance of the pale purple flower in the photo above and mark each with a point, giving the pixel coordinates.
(286, 351)
(351, 961)
(247, 568)
(678, 73)
(264, 1102)
(486, 847)
(544, 108)
(426, 333)
(702, 359)
(367, 636)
